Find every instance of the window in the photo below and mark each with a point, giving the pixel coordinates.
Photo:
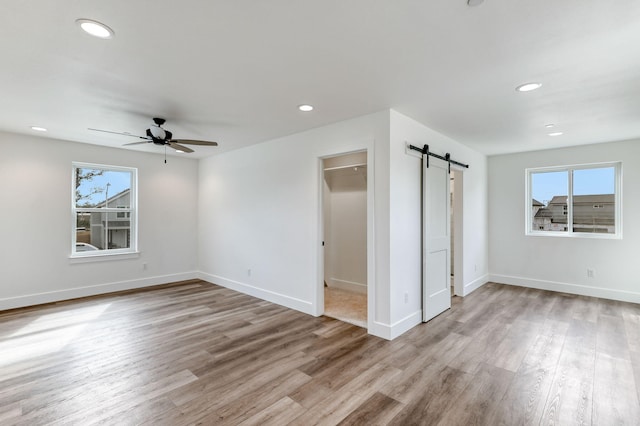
(123, 214)
(103, 210)
(581, 200)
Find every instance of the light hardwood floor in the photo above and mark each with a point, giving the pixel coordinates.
(196, 353)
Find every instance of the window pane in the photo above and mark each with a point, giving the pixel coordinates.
(549, 191)
(100, 188)
(594, 200)
(102, 231)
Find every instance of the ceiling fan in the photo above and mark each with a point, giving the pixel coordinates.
(159, 136)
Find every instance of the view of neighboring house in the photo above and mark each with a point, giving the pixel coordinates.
(535, 206)
(112, 227)
(591, 213)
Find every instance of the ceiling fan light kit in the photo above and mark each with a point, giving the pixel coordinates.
(157, 133)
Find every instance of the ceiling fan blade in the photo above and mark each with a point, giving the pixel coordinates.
(179, 147)
(192, 142)
(136, 143)
(118, 133)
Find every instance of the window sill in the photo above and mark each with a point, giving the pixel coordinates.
(102, 257)
(564, 234)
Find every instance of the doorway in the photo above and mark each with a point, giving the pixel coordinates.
(344, 212)
(457, 182)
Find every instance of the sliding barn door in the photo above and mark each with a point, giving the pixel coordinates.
(436, 241)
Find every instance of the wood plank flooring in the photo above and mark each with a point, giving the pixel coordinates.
(197, 353)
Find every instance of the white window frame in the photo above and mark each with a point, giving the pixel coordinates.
(132, 250)
(570, 233)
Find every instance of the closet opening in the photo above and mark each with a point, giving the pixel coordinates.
(344, 216)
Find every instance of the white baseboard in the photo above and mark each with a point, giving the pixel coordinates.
(270, 296)
(347, 285)
(379, 329)
(390, 332)
(475, 284)
(605, 293)
(94, 290)
(406, 323)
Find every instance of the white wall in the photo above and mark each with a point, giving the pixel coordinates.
(248, 219)
(405, 217)
(35, 221)
(557, 263)
(259, 211)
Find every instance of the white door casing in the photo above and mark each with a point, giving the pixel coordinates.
(436, 239)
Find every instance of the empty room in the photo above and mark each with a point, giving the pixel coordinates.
(301, 213)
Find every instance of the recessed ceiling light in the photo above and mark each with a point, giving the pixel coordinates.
(305, 108)
(180, 151)
(38, 129)
(95, 28)
(555, 134)
(527, 87)
(472, 3)
(550, 125)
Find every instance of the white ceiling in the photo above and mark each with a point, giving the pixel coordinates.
(235, 71)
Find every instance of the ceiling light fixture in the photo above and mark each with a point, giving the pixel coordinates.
(305, 108)
(555, 134)
(38, 129)
(527, 87)
(473, 3)
(550, 125)
(95, 28)
(180, 151)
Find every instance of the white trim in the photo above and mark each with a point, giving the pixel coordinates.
(390, 332)
(371, 238)
(347, 285)
(405, 324)
(318, 294)
(367, 146)
(458, 231)
(132, 209)
(605, 293)
(476, 284)
(270, 296)
(380, 330)
(74, 293)
(102, 255)
(570, 232)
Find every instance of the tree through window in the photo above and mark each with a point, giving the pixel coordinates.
(104, 210)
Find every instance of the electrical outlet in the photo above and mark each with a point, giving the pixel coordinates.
(406, 297)
(591, 273)
(249, 272)
(144, 266)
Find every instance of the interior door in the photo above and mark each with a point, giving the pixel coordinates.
(436, 240)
